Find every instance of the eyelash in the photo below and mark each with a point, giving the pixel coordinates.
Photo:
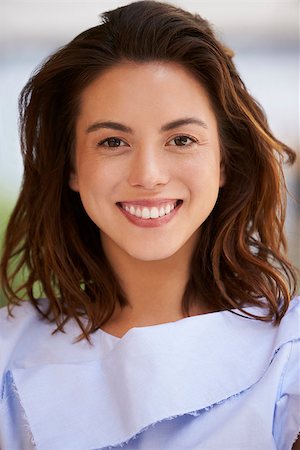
(193, 141)
(101, 143)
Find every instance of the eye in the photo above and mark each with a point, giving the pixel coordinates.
(111, 142)
(183, 141)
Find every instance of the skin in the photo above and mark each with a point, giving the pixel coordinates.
(152, 264)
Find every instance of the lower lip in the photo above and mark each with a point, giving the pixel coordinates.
(150, 223)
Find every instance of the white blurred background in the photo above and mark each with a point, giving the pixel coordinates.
(263, 34)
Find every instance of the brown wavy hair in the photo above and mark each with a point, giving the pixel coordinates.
(240, 255)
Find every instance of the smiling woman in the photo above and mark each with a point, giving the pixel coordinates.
(151, 215)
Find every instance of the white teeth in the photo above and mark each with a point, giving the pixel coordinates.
(154, 213)
(162, 211)
(147, 213)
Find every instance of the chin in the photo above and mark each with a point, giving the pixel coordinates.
(152, 254)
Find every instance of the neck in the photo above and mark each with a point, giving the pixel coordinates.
(154, 289)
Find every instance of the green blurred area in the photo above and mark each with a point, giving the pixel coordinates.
(6, 207)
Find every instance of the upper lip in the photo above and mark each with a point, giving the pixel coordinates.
(150, 203)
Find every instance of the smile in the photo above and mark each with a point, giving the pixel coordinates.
(153, 212)
(150, 216)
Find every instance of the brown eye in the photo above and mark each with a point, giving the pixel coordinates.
(110, 142)
(183, 141)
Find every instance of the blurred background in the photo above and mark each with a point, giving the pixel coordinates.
(263, 34)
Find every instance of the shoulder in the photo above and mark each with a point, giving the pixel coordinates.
(12, 327)
(291, 319)
(22, 316)
(294, 307)
(263, 337)
(288, 329)
(25, 322)
(27, 339)
(287, 413)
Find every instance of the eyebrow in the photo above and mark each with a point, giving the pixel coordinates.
(167, 127)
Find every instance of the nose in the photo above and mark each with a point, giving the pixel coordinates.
(149, 168)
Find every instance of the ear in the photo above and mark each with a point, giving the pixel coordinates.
(73, 181)
(222, 175)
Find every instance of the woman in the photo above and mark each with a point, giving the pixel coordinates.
(150, 227)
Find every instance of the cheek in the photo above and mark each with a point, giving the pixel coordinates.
(91, 173)
(99, 180)
(201, 173)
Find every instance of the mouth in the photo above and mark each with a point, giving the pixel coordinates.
(147, 213)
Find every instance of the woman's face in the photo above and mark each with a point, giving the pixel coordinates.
(147, 160)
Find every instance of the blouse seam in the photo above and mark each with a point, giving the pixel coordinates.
(282, 378)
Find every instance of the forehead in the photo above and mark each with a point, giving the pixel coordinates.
(132, 89)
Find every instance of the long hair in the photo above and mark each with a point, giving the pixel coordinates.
(240, 254)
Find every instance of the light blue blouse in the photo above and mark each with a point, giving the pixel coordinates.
(218, 381)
